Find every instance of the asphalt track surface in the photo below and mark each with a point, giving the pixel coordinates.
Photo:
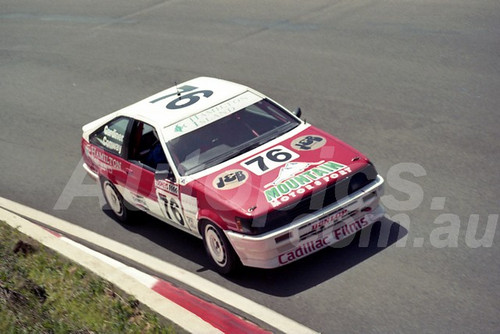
(413, 84)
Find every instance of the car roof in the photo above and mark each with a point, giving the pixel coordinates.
(154, 109)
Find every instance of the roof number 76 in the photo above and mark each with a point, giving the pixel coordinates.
(185, 100)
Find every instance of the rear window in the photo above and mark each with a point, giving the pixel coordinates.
(110, 137)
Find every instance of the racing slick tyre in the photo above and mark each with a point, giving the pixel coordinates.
(219, 250)
(115, 201)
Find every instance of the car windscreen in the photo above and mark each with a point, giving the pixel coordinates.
(224, 137)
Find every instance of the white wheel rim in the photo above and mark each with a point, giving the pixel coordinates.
(113, 200)
(215, 246)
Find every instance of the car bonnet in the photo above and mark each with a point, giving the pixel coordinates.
(278, 176)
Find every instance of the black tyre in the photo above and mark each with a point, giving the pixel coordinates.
(219, 250)
(115, 201)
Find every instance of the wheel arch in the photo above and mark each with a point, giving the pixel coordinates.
(205, 216)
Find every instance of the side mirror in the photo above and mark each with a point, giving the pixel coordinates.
(163, 172)
(297, 112)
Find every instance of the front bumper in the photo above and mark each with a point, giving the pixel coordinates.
(312, 232)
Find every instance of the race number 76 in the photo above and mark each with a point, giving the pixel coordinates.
(186, 99)
(269, 160)
(172, 209)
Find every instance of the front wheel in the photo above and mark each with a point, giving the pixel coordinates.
(219, 250)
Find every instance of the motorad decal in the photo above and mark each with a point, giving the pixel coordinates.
(167, 186)
(308, 180)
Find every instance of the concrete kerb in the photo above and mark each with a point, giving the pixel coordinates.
(215, 315)
(124, 277)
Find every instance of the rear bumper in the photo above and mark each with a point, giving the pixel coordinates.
(91, 173)
(313, 232)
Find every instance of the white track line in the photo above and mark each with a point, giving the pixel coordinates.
(235, 300)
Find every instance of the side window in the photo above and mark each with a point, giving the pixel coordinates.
(111, 136)
(145, 147)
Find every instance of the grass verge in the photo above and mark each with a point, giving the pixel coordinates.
(44, 292)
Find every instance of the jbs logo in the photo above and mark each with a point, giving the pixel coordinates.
(230, 179)
(308, 143)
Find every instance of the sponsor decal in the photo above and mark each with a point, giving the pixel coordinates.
(190, 206)
(303, 250)
(230, 179)
(167, 186)
(332, 219)
(298, 184)
(108, 141)
(291, 169)
(101, 159)
(312, 246)
(308, 143)
(207, 116)
(140, 201)
(112, 133)
(110, 145)
(350, 228)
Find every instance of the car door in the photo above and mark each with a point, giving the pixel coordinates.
(158, 195)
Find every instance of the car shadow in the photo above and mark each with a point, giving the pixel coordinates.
(284, 281)
(323, 265)
(164, 235)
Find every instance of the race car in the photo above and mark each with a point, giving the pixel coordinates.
(221, 161)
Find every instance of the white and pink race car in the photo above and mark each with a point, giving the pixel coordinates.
(229, 165)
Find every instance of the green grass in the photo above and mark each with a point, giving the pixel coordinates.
(43, 292)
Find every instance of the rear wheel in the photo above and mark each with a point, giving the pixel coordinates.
(115, 200)
(219, 250)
